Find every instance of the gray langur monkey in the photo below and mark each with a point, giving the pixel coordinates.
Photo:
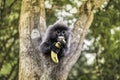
(56, 41)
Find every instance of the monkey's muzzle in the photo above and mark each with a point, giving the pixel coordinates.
(61, 38)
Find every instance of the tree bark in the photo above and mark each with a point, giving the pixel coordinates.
(33, 65)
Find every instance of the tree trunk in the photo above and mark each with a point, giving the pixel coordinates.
(33, 65)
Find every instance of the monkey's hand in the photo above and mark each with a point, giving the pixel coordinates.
(54, 51)
(62, 44)
(62, 41)
(56, 47)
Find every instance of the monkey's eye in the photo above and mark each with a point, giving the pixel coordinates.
(63, 32)
(58, 32)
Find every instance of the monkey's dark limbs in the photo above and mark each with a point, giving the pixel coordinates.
(47, 47)
(62, 44)
(55, 48)
(50, 45)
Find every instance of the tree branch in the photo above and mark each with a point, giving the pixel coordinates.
(33, 64)
(80, 29)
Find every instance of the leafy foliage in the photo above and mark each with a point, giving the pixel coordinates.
(105, 36)
(9, 44)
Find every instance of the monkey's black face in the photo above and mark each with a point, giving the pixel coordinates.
(59, 33)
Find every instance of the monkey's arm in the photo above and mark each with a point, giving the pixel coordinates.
(46, 47)
(64, 51)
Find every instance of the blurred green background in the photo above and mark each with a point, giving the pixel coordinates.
(100, 58)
